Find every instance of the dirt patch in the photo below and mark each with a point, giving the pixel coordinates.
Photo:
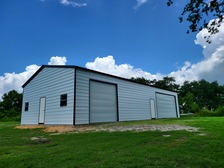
(59, 129)
(40, 140)
(111, 128)
(29, 126)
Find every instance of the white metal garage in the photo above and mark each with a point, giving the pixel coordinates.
(166, 106)
(103, 102)
(72, 95)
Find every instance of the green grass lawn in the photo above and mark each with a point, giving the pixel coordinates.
(117, 149)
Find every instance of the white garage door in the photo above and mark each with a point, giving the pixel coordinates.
(103, 102)
(166, 105)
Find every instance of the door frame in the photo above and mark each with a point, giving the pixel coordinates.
(41, 116)
(175, 101)
(153, 109)
(116, 92)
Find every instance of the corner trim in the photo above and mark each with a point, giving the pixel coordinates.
(74, 107)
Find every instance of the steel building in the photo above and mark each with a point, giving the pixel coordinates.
(72, 95)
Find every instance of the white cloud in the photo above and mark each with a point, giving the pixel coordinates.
(217, 41)
(211, 68)
(57, 60)
(107, 65)
(14, 81)
(140, 3)
(72, 3)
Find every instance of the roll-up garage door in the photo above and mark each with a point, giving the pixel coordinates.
(166, 106)
(103, 102)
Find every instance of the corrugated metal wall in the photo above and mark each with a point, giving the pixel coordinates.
(50, 83)
(133, 98)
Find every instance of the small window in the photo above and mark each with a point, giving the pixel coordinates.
(26, 106)
(63, 101)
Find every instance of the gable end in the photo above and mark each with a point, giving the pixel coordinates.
(41, 68)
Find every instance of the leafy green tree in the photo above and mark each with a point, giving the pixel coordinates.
(11, 104)
(206, 95)
(199, 12)
(167, 83)
(141, 80)
(188, 103)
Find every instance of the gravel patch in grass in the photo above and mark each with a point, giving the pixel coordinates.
(40, 140)
(145, 127)
(111, 128)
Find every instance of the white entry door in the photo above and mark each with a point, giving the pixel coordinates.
(42, 110)
(152, 108)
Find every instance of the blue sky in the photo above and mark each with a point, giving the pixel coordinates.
(143, 35)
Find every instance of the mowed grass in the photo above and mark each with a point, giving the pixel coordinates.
(116, 149)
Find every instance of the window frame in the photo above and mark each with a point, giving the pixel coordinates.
(63, 100)
(26, 107)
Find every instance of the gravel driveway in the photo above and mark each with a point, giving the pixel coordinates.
(112, 128)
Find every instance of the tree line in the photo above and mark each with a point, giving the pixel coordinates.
(198, 97)
(11, 106)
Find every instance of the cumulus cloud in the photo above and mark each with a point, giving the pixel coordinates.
(57, 60)
(72, 3)
(107, 65)
(211, 68)
(140, 3)
(14, 81)
(217, 41)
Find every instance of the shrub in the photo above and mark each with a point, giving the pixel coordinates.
(206, 113)
(10, 115)
(220, 111)
(195, 108)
